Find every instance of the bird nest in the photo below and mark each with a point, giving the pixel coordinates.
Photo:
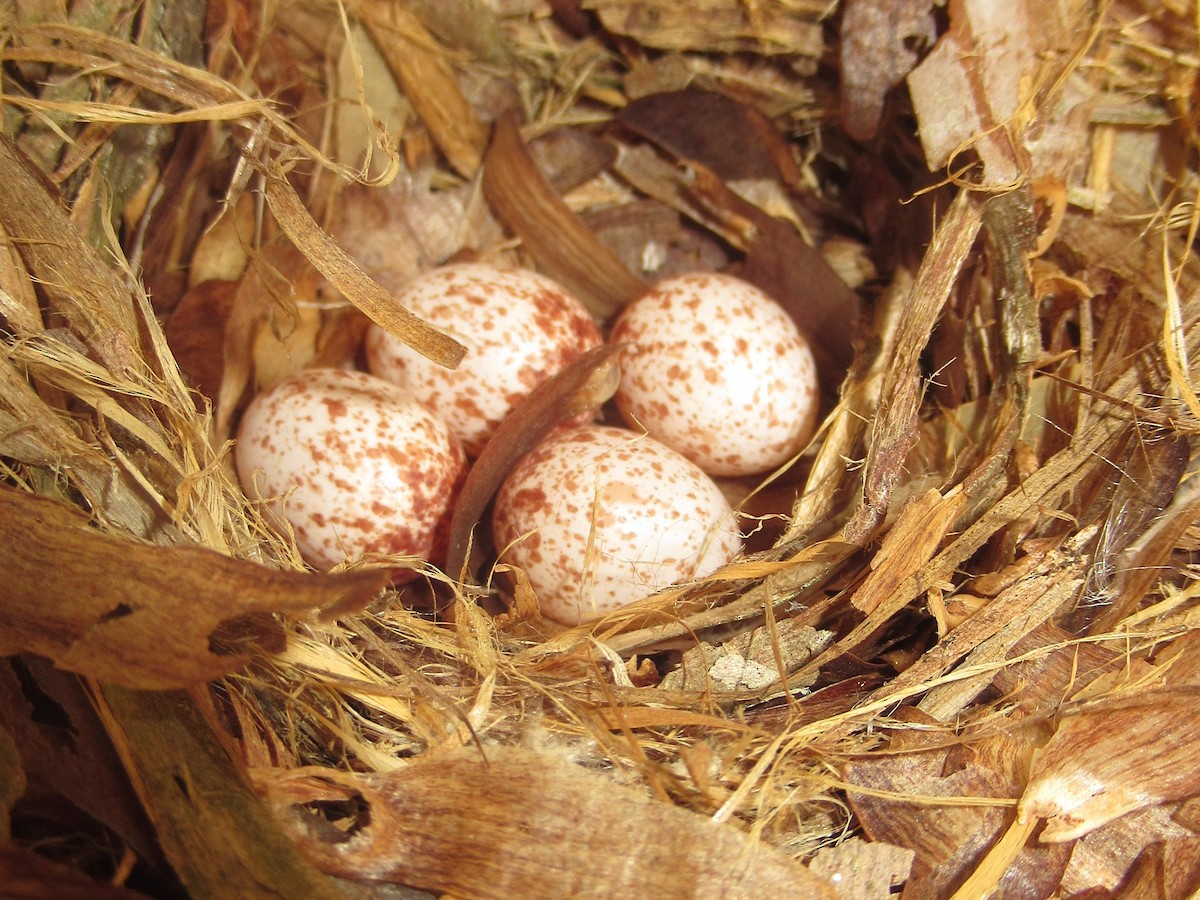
(956, 655)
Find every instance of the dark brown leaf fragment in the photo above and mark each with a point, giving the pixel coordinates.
(732, 139)
(564, 248)
(583, 385)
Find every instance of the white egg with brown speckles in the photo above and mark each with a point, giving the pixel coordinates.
(599, 517)
(519, 328)
(353, 463)
(718, 371)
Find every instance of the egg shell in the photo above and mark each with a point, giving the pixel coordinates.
(519, 328)
(599, 517)
(354, 463)
(719, 372)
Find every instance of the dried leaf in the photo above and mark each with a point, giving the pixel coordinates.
(143, 615)
(1112, 757)
(1103, 858)
(516, 814)
(523, 199)
(12, 782)
(735, 141)
(333, 262)
(583, 386)
(571, 157)
(366, 96)
(196, 334)
(428, 80)
(65, 749)
(1165, 871)
(29, 876)
(399, 230)
(718, 26)
(471, 25)
(214, 831)
(901, 806)
(1040, 682)
(651, 239)
(223, 249)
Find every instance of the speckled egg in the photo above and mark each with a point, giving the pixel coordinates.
(354, 463)
(599, 517)
(719, 372)
(519, 328)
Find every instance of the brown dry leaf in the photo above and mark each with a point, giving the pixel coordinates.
(584, 385)
(878, 48)
(521, 197)
(571, 157)
(428, 81)
(1040, 682)
(652, 239)
(1112, 757)
(398, 230)
(769, 27)
(196, 334)
(223, 249)
(1165, 871)
(213, 829)
(291, 329)
(366, 96)
(863, 870)
(12, 782)
(517, 815)
(470, 25)
(30, 876)
(1102, 859)
(342, 272)
(916, 797)
(144, 615)
(735, 141)
(65, 749)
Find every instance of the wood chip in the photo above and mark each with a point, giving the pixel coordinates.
(516, 815)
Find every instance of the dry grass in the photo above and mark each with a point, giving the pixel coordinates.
(997, 521)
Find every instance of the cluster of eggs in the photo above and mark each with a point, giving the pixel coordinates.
(716, 380)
